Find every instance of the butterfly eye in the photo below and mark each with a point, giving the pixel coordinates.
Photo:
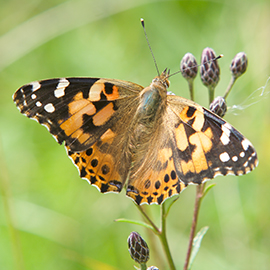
(166, 83)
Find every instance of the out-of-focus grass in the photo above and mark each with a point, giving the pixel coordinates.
(61, 221)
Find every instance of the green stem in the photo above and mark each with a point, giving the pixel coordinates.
(199, 196)
(154, 227)
(211, 94)
(191, 89)
(229, 88)
(163, 238)
(143, 266)
(161, 233)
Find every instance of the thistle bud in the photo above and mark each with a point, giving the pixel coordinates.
(238, 67)
(138, 248)
(189, 66)
(239, 64)
(209, 68)
(209, 71)
(218, 106)
(189, 70)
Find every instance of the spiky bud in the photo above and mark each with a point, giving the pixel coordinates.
(138, 248)
(209, 68)
(189, 66)
(218, 106)
(239, 64)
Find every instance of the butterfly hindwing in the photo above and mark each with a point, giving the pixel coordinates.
(206, 145)
(107, 162)
(152, 176)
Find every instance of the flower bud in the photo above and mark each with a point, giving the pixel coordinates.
(152, 268)
(209, 68)
(189, 66)
(239, 64)
(138, 248)
(218, 106)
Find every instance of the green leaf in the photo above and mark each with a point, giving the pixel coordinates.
(170, 204)
(207, 189)
(134, 222)
(196, 244)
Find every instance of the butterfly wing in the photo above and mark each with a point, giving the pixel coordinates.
(205, 145)
(91, 116)
(76, 110)
(153, 176)
(189, 145)
(107, 162)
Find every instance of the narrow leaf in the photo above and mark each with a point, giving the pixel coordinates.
(207, 189)
(171, 204)
(196, 244)
(134, 222)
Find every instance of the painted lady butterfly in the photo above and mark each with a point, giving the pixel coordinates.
(121, 134)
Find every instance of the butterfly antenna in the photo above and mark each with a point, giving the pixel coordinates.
(146, 37)
(216, 58)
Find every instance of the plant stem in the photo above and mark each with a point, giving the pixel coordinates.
(211, 92)
(154, 227)
(199, 195)
(191, 89)
(161, 233)
(163, 238)
(143, 266)
(229, 88)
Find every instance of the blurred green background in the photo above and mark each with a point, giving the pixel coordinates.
(49, 217)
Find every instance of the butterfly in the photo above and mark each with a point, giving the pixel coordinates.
(120, 134)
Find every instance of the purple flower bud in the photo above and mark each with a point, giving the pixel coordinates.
(218, 106)
(189, 66)
(239, 64)
(138, 248)
(209, 68)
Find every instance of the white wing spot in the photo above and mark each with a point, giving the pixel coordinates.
(234, 158)
(59, 92)
(63, 83)
(38, 104)
(33, 96)
(49, 108)
(245, 164)
(35, 86)
(225, 137)
(60, 89)
(242, 154)
(245, 143)
(224, 157)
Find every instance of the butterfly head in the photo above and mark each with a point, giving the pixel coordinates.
(162, 79)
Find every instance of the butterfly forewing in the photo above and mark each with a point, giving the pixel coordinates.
(75, 110)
